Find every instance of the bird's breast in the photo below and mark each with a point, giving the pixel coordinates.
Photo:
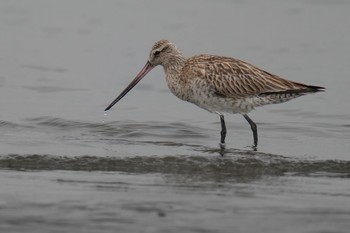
(181, 91)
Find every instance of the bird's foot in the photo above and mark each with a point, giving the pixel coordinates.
(253, 147)
(222, 148)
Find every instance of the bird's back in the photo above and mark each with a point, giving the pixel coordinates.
(230, 78)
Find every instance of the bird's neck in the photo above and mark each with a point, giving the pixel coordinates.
(174, 64)
(173, 71)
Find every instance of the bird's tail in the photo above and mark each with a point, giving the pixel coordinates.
(310, 88)
(286, 95)
(301, 90)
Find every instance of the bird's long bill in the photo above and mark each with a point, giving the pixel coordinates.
(147, 68)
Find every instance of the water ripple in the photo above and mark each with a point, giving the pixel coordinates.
(126, 129)
(58, 136)
(236, 164)
(7, 124)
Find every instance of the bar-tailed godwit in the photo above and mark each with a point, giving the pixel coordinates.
(219, 84)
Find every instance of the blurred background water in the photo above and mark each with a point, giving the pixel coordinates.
(152, 163)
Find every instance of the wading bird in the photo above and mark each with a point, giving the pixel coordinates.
(219, 84)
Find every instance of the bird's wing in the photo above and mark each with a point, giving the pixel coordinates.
(235, 78)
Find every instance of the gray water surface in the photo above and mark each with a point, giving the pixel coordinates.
(152, 163)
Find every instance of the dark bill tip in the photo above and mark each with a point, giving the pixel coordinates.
(147, 68)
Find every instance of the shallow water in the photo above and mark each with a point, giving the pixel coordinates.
(152, 163)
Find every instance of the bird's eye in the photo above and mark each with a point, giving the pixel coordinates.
(156, 53)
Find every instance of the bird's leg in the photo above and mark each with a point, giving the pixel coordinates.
(254, 129)
(223, 132)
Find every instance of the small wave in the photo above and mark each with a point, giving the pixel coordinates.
(6, 124)
(125, 129)
(237, 164)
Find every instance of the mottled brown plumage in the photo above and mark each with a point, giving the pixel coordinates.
(219, 84)
(235, 78)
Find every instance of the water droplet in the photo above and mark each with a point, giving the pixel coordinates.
(105, 114)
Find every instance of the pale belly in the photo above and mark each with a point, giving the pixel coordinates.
(242, 105)
(205, 97)
(221, 105)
